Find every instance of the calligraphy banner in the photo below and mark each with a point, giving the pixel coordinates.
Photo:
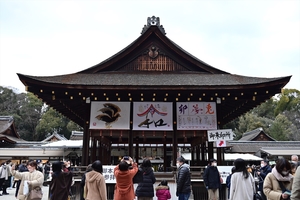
(196, 115)
(110, 115)
(221, 134)
(152, 116)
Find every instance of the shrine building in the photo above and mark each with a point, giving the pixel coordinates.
(151, 99)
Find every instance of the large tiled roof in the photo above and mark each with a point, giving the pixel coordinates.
(153, 79)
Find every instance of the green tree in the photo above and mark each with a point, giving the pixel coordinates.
(73, 127)
(282, 129)
(50, 122)
(53, 122)
(9, 101)
(249, 122)
(289, 100)
(31, 109)
(266, 109)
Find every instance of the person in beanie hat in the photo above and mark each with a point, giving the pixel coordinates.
(162, 191)
(183, 180)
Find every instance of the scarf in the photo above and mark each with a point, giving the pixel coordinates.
(279, 177)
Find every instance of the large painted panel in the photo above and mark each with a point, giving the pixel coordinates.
(196, 115)
(110, 115)
(153, 116)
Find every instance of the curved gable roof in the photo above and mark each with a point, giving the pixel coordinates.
(153, 35)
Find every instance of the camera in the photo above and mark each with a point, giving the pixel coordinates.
(126, 157)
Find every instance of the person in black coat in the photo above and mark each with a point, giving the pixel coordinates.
(228, 181)
(21, 168)
(262, 173)
(145, 188)
(183, 190)
(212, 179)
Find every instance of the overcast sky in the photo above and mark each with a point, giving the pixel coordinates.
(259, 38)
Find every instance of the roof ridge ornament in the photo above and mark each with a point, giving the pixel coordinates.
(153, 21)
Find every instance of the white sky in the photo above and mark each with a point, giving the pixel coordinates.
(259, 38)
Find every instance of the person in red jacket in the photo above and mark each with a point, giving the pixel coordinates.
(124, 185)
(163, 191)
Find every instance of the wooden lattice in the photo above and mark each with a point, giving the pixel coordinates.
(159, 63)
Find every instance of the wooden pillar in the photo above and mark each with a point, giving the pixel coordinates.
(193, 159)
(108, 157)
(175, 144)
(165, 156)
(198, 157)
(93, 150)
(86, 135)
(137, 150)
(130, 143)
(85, 146)
(210, 150)
(100, 150)
(219, 156)
(203, 154)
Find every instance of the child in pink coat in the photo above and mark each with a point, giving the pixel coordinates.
(162, 191)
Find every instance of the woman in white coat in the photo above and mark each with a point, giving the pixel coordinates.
(242, 183)
(33, 177)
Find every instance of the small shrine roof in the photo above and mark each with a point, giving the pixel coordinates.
(251, 135)
(54, 135)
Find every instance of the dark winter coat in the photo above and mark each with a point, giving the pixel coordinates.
(22, 168)
(60, 185)
(183, 179)
(145, 188)
(212, 177)
(228, 183)
(47, 169)
(264, 171)
(163, 192)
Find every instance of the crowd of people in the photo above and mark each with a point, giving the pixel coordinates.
(280, 181)
(30, 176)
(127, 169)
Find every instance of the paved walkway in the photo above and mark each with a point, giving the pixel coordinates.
(12, 192)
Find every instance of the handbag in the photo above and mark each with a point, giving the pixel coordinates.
(36, 194)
